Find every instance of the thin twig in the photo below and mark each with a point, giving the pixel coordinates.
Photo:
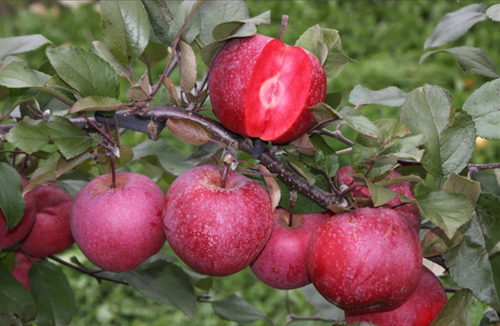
(336, 135)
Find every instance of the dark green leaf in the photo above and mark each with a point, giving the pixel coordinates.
(97, 103)
(20, 44)
(471, 266)
(29, 136)
(164, 283)
(126, 155)
(15, 300)
(447, 210)
(125, 27)
(166, 156)
(321, 305)
(493, 12)
(84, 71)
(55, 301)
(488, 181)
(436, 242)
(390, 96)
(214, 13)
(102, 50)
(484, 108)
(326, 159)
(11, 201)
(461, 310)
(333, 100)
(185, 10)
(380, 195)
(198, 280)
(202, 153)
(455, 24)
(304, 205)
(236, 309)
(18, 75)
(460, 185)
(16, 97)
(159, 18)
(59, 84)
(472, 60)
(489, 215)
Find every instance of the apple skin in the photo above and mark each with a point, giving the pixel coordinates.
(262, 88)
(216, 231)
(51, 232)
(16, 234)
(365, 260)
(22, 267)
(410, 211)
(282, 262)
(421, 309)
(118, 228)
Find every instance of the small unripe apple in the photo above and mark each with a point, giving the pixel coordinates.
(262, 88)
(365, 260)
(421, 309)
(410, 211)
(22, 267)
(282, 262)
(118, 228)
(17, 233)
(216, 230)
(51, 233)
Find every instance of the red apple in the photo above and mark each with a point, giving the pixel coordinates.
(51, 233)
(262, 88)
(118, 228)
(216, 231)
(410, 211)
(282, 262)
(17, 233)
(365, 260)
(22, 267)
(421, 309)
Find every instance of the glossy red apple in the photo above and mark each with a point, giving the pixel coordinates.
(410, 211)
(421, 309)
(216, 231)
(118, 228)
(22, 267)
(365, 260)
(260, 87)
(17, 233)
(282, 262)
(51, 233)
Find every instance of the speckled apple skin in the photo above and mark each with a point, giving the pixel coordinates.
(16, 234)
(238, 73)
(365, 260)
(216, 231)
(22, 267)
(51, 232)
(282, 262)
(118, 228)
(410, 211)
(421, 309)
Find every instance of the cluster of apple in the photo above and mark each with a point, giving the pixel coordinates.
(43, 231)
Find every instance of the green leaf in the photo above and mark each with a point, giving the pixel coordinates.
(163, 155)
(21, 44)
(489, 215)
(201, 281)
(326, 159)
(406, 148)
(463, 309)
(323, 112)
(159, 18)
(390, 96)
(187, 67)
(29, 136)
(472, 60)
(125, 27)
(59, 84)
(214, 13)
(184, 11)
(17, 96)
(126, 155)
(102, 50)
(447, 210)
(455, 24)
(471, 267)
(493, 12)
(236, 309)
(359, 123)
(488, 181)
(97, 103)
(15, 299)
(11, 201)
(380, 195)
(18, 75)
(55, 301)
(321, 305)
(164, 283)
(84, 71)
(460, 185)
(436, 242)
(484, 108)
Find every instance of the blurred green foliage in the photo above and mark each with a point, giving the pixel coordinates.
(385, 37)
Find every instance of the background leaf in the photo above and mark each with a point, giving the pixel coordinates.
(236, 309)
(493, 12)
(15, 299)
(12, 203)
(484, 107)
(390, 96)
(125, 27)
(20, 44)
(455, 24)
(55, 301)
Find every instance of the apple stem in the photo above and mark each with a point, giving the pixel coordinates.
(293, 200)
(284, 23)
(113, 173)
(225, 171)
